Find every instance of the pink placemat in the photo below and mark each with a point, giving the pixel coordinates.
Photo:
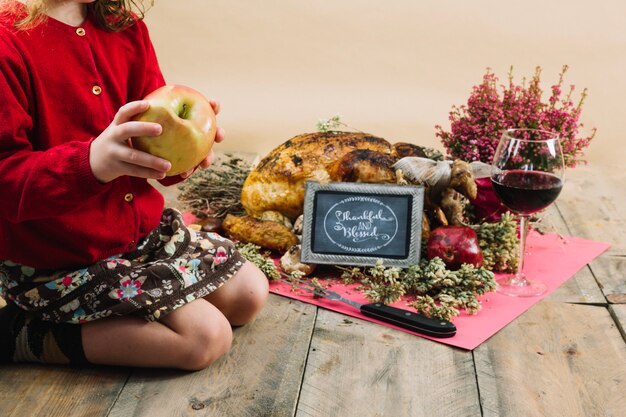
(551, 257)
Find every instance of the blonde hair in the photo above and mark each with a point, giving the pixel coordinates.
(112, 15)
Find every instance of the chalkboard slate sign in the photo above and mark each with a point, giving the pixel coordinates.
(358, 224)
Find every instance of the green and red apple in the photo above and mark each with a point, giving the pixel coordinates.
(188, 123)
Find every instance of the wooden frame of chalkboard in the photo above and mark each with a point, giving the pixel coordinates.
(358, 224)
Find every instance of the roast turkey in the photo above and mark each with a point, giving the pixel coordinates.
(277, 183)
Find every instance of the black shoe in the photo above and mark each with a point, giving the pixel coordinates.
(9, 316)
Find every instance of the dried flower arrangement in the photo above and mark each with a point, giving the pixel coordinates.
(429, 287)
(216, 191)
(476, 126)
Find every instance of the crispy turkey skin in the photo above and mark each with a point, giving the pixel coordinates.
(277, 183)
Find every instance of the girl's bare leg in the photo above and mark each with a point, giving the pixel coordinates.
(243, 296)
(191, 337)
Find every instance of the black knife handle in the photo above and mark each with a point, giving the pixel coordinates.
(409, 320)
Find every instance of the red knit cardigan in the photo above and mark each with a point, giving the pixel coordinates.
(60, 87)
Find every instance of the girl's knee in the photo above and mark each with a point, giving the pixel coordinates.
(257, 285)
(252, 295)
(243, 296)
(208, 342)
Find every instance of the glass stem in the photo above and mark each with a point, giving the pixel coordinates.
(523, 231)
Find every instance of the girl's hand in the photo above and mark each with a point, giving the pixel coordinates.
(219, 136)
(111, 154)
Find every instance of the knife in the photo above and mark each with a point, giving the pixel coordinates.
(392, 315)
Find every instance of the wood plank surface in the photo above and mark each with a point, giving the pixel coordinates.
(28, 390)
(260, 376)
(357, 368)
(618, 311)
(582, 287)
(592, 202)
(556, 359)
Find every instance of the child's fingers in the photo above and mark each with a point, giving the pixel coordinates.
(135, 129)
(141, 159)
(134, 170)
(205, 163)
(220, 135)
(128, 110)
(187, 173)
(215, 105)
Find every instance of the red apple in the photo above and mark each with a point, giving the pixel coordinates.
(455, 245)
(189, 127)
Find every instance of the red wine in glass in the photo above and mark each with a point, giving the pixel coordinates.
(527, 176)
(526, 192)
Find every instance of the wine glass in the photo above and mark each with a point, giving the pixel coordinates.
(527, 176)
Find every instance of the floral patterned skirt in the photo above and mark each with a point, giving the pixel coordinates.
(171, 267)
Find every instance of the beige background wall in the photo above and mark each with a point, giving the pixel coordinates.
(391, 68)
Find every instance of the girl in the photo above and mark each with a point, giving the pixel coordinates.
(93, 267)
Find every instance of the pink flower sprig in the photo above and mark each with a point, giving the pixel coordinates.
(476, 127)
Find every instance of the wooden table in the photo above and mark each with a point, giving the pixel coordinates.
(566, 356)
